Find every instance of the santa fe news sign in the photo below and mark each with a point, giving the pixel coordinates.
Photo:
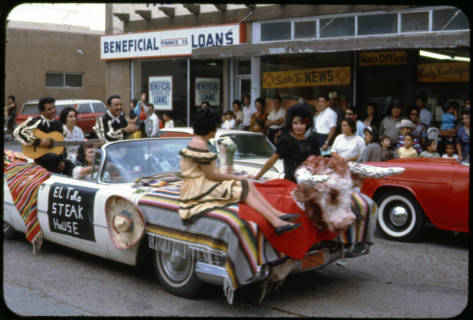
(165, 43)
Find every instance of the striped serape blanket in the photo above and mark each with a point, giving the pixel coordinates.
(23, 180)
(218, 232)
(240, 240)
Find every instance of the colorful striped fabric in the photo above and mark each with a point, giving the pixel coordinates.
(23, 180)
(220, 230)
(241, 240)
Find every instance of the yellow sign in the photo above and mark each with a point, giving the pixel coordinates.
(335, 76)
(383, 58)
(444, 72)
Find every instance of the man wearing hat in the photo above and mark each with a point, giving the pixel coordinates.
(405, 127)
(388, 126)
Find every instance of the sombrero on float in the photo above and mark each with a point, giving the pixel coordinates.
(125, 222)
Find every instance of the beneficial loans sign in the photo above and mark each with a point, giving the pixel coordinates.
(334, 76)
(169, 43)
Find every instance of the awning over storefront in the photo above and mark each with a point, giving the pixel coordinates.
(433, 40)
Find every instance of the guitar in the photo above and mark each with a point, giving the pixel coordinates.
(35, 152)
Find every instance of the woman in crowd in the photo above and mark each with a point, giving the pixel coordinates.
(373, 151)
(419, 131)
(68, 118)
(168, 122)
(259, 114)
(348, 145)
(205, 188)
(236, 106)
(371, 117)
(275, 119)
(293, 146)
(463, 137)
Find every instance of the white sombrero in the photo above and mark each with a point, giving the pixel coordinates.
(125, 222)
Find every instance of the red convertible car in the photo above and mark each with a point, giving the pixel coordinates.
(435, 190)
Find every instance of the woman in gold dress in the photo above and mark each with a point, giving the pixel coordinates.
(205, 188)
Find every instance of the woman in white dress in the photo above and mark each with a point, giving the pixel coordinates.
(72, 132)
(348, 145)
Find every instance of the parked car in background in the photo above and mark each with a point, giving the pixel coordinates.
(87, 111)
(252, 151)
(434, 190)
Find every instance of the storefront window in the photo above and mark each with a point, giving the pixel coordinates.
(174, 102)
(305, 29)
(417, 21)
(337, 27)
(377, 24)
(276, 31)
(206, 84)
(450, 19)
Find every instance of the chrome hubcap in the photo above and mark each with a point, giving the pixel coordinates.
(176, 268)
(398, 216)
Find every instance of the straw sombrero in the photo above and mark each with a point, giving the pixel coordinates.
(125, 222)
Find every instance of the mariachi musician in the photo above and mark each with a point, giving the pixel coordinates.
(47, 123)
(113, 125)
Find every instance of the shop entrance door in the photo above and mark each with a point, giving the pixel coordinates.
(243, 86)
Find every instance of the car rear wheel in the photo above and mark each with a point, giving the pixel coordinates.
(400, 217)
(8, 231)
(176, 272)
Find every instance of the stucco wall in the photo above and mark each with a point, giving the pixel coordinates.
(31, 53)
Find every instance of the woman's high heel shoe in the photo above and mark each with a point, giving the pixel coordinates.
(290, 217)
(288, 227)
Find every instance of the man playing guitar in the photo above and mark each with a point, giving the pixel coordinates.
(47, 123)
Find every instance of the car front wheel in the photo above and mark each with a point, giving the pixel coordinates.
(8, 231)
(176, 272)
(399, 216)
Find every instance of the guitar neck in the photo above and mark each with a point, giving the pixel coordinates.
(74, 143)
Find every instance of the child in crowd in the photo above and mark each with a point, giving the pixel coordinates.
(406, 127)
(387, 150)
(449, 117)
(408, 150)
(431, 151)
(450, 152)
(258, 126)
(228, 120)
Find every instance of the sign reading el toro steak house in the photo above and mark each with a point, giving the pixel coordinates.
(177, 42)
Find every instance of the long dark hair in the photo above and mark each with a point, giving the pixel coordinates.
(64, 113)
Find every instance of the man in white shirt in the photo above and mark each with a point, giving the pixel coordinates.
(325, 122)
(151, 122)
(275, 119)
(248, 110)
(425, 115)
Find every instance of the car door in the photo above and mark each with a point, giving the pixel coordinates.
(85, 117)
(68, 215)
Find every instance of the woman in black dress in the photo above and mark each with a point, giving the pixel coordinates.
(293, 146)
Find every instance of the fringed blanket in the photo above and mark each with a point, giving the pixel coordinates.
(23, 180)
(219, 232)
(224, 232)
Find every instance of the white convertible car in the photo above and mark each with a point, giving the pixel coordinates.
(142, 175)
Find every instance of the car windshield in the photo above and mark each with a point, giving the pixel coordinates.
(30, 108)
(250, 146)
(130, 159)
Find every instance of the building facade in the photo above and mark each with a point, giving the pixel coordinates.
(354, 53)
(53, 60)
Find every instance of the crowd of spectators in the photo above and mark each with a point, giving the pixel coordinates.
(363, 134)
